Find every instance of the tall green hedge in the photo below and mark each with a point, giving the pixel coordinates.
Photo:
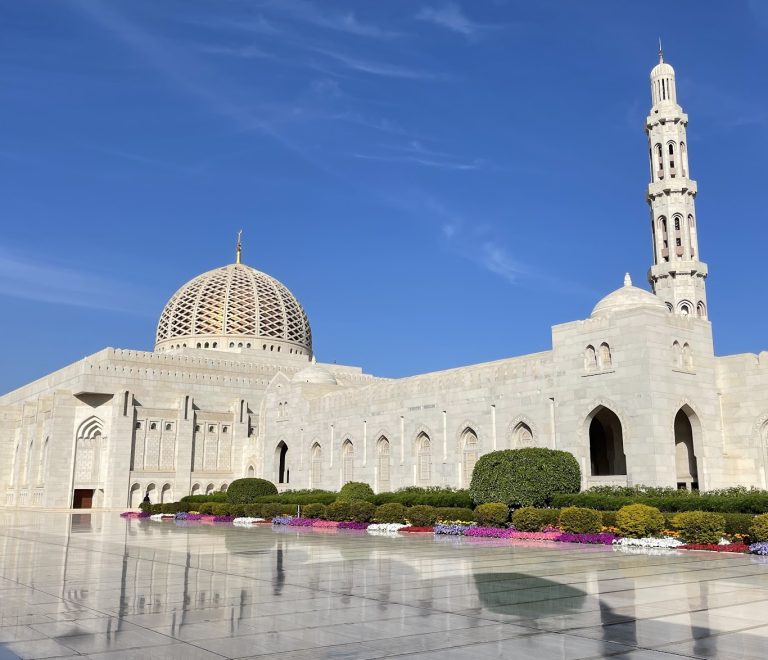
(248, 490)
(531, 476)
(737, 500)
(432, 496)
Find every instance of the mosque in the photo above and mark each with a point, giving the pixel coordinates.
(232, 389)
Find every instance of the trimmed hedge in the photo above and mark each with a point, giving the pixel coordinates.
(218, 496)
(454, 513)
(361, 511)
(639, 520)
(528, 519)
(248, 490)
(355, 490)
(577, 520)
(731, 500)
(758, 528)
(392, 512)
(299, 497)
(313, 511)
(422, 515)
(433, 496)
(700, 526)
(338, 511)
(492, 514)
(528, 477)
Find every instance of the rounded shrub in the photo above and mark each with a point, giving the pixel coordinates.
(524, 477)
(271, 510)
(491, 514)
(254, 510)
(355, 490)
(245, 491)
(237, 510)
(700, 526)
(206, 507)
(361, 511)
(454, 514)
(580, 521)
(422, 515)
(221, 509)
(528, 519)
(338, 511)
(639, 520)
(313, 510)
(393, 512)
(758, 530)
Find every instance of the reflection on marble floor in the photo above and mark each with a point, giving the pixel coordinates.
(95, 585)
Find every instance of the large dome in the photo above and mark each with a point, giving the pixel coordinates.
(627, 297)
(231, 308)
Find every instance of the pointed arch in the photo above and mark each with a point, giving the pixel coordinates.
(281, 462)
(383, 465)
(250, 472)
(590, 358)
(347, 461)
(605, 356)
(677, 354)
(166, 494)
(606, 442)
(135, 496)
(686, 425)
(316, 465)
(424, 458)
(195, 489)
(42, 467)
(88, 446)
(469, 454)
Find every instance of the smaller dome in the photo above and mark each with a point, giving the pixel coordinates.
(662, 69)
(315, 375)
(627, 297)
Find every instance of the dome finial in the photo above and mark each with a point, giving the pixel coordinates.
(239, 247)
(627, 280)
(661, 52)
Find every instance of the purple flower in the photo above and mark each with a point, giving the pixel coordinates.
(759, 548)
(353, 525)
(281, 520)
(452, 529)
(192, 516)
(223, 518)
(603, 538)
(300, 522)
(489, 532)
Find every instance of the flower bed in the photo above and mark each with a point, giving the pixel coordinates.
(281, 520)
(159, 517)
(134, 514)
(717, 547)
(414, 528)
(759, 548)
(602, 538)
(247, 521)
(385, 528)
(353, 525)
(300, 522)
(649, 542)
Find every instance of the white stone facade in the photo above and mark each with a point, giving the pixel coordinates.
(634, 392)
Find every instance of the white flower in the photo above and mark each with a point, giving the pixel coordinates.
(385, 528)
(157, 517)
(649, 542)
(246, 521)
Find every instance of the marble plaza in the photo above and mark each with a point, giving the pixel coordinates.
(94, 585)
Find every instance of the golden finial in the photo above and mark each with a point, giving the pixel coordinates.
(239, 247)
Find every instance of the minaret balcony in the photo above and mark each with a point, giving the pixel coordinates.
(676, 185)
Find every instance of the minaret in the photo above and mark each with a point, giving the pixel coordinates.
(677, 276)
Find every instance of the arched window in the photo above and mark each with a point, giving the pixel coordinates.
(687, 356)
(664, 238)
(683, 159)
(28, 464)
(424, 459)
(348, 462)
(281, 458)
(209, 489)
(701, 310)
(677, 354)
(522, 436)
(686, 465)
(250, 472)
(606, 443)
(383, 465)
(316, 467)
(590, 358)
(671, 149)
(166, 494)
(42, 467)
(135, 496)
(468, 455)
(605, 356)
(685, 308)
(151, 493)
(195, 489)
(659, 162)
(223, 488)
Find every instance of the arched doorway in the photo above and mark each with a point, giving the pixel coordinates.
(135, 496)
(686, 465)
(281, 455)
(606, 444)
(166, 494)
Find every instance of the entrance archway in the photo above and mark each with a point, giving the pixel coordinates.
(606, 444)
(281, 455)
(686, 465)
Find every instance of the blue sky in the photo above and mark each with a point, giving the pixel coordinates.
(437, 182)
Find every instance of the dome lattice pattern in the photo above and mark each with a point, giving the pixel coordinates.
(231, 303)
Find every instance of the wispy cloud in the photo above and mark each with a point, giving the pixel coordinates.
(451, 17)
(378, 68)
(422, 160)
(347, 22)
(495, 258)
(27, 277)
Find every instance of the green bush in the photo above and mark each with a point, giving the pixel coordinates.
(355, 490)
(639, 520)
(206, 507)
(422, 515)
(608, 498)
(221, 509)
(432, 496)
(157, 508)
(609, 518)
(168, 507)
(338, 511)
(738, 523)
(580, 521)
(528, 519)
(211, 497)
(524, 477)
(300, 497)
(313, 510)
(392, 512)
(758, 529)
(254, 510)
(146, 507)
(453, 513)
(361, 511)
(237, 510)
(246, 491)
(273, 509)
(492, 514)
(700, 526)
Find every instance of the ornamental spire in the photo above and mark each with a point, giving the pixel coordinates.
(661, 53)
(239, 248)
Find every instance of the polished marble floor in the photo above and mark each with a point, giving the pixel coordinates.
(97, 586)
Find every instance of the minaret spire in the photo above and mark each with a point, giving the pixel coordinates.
(239, 248)
(677, 276)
